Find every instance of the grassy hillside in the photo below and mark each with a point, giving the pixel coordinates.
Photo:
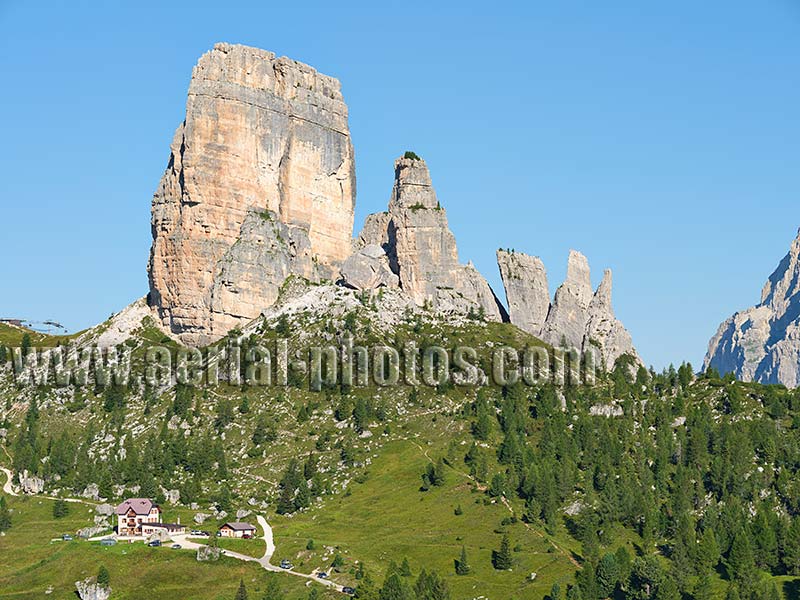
(644, 485)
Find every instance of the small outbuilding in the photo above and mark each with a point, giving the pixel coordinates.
(237, 530)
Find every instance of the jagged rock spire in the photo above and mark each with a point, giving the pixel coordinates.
(604, 332)
(566, 320)
(762, 343)
(422, 250)
(577, 318)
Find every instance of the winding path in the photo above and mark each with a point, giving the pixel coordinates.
(8, 488)
(264, 561)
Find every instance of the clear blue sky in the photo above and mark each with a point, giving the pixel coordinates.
(660, 140)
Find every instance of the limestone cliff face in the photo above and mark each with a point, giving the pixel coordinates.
(603, 330)
(525, 281)
(567, 318)
(762, 343)
(261, 134)
(422, 250)
(577, 318)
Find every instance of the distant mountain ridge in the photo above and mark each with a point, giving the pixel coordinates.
(762, 343)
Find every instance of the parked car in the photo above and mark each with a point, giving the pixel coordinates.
(155, 544)
(108, 542)
(247, 536)
(322, 575)
(285, 564)
(349, 591)
(67, 537)
(176, 546)
(196, 533)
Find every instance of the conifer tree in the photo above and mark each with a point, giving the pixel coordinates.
(60, 509)
(502, 558)
(462, 565)
(741, 564)
(241, 593)
(607, 575)
(103, 576)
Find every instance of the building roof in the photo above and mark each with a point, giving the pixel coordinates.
(141, 506)
(239, 526)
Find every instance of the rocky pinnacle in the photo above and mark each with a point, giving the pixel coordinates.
(762, 343)
(261, 135)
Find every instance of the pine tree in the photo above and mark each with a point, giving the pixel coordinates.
(555, 592)
(462, 565)
(574, 593)
(405, 568)
(766, 541)
(668, 590)
(703, 589)
(732, 593)
(60, 509)
(708, 550)
(394, 588)
(241, 593)
(103, 576)
(607, 575)
(272, 591)
(791, 548)
(502, 558)
(741, 564)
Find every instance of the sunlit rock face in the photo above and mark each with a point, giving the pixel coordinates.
(762, 343)
(262, 135)
(576, 319)
(421, 248)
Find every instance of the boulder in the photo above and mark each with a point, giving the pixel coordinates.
(92, 492)
(368, 269)
(89, 589)
(94, 530)
(172, 496)
(30, 484)
(207, 554)
(200, 518)
(105, 510)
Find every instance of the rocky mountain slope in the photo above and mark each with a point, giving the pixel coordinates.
(762, 343)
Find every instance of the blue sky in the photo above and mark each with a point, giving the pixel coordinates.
(661, 141)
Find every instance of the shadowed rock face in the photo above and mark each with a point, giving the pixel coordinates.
(421, 248)
(261, 134)
(762, 343)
